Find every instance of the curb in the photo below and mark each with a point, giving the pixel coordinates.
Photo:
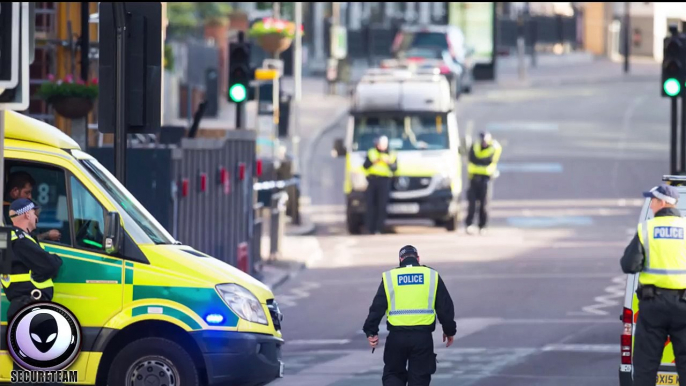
(290, 272)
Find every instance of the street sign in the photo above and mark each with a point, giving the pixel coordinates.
(339, 42)
(17, 98)
(9, 44)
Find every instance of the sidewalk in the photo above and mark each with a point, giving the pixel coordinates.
(599, 70)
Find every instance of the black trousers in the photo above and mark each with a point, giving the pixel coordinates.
(377, 197)
(409, 358)
(478, 195)
(659, 317)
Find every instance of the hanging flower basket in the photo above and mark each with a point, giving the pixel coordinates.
(273, 36)
(274, 43)
(72, 100)
(72, 107)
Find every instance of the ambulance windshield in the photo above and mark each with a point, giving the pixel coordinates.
(416, 131)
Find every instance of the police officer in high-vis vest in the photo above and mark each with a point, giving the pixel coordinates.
(658, 254)
(482, 167)
(31, 269)
(380, 165)
(411, 296)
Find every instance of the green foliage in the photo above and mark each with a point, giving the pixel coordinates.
(64, 88)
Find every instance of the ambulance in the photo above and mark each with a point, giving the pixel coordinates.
(150, 308)
(667, 374)
(415, 110)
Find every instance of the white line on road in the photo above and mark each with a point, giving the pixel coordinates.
(315, 342)
(608, 348)
(609, 299)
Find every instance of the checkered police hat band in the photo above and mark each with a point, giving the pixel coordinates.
(25, 209)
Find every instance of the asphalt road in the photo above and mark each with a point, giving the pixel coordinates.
(538, 299)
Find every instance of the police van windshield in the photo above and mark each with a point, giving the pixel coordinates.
(420, 131)
(128, 203)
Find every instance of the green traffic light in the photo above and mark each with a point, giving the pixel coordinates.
(238, 93)
(672, 87)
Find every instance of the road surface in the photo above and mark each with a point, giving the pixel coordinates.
(538, 299)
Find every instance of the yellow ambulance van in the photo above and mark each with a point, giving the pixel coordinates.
(150, 309)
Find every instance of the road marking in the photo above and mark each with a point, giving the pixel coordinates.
(530, 167)
(609, 299)
(604, 348)
(547, 222)
(298, 293)
(316, 342)
(522, 126)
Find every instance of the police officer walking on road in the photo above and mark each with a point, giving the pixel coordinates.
(411, 296)
(658, 254)
(31, 269)
(380, 165)
(482, 168)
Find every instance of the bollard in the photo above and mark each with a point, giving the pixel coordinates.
(277, 223)
(256, 242)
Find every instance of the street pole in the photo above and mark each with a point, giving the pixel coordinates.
(2, 159)
(120, 102)
(297, 67)
(240, 105)
(521, 47)
(673, 142)
(682, 167)
(85, 40)
(627, 35)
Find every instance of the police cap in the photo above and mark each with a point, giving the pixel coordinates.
(408, 251)
(21, 206)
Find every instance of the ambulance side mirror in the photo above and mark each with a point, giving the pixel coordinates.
(338, 148)
(113, 236)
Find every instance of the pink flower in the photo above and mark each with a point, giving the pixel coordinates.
(51, 77)
(94, 81)
(80, 81)
(69, 78)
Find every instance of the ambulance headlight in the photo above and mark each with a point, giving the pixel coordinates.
(444, 182)
(243, 303)
(358, 181)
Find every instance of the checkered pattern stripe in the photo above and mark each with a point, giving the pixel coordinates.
(25, 209)
(411, 312)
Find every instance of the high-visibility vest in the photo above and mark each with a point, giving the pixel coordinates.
(6, 280)
(411, 295)
(485, 170)
(664, 242)
(382, 168)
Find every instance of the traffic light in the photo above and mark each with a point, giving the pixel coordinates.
(674, 66)
(239, 71)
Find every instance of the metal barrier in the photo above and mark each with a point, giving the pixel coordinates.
(256, 240)
(201, 192)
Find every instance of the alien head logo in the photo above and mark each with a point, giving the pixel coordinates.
(44, 336)
(43, 329)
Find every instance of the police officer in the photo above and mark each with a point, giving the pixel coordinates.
(658, 254)
(482, 167)
(380, 165)
(32, 268)
(411, 297)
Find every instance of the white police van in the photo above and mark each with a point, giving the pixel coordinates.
(667, 373)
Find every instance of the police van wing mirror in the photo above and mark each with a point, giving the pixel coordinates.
(113, 233)
(338, 148)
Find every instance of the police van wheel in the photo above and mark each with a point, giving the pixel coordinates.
(155, 361)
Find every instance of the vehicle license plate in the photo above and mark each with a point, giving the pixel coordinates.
(667, 379)
(403, 208)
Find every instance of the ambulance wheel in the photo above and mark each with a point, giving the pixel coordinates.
(153, 361)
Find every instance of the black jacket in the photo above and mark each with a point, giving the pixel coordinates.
(634, 254)
(445, 311)
(27, 255)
